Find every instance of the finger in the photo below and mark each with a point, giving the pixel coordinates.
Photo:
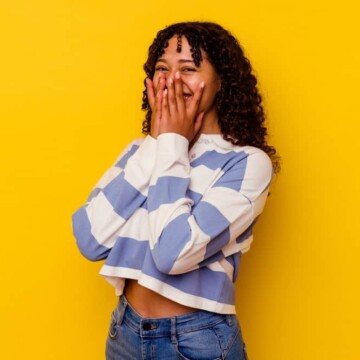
(165, 107)
(161, 86)
(194, 105)
(198, 122)
(150, 92)
(161, 82)
(179, 95)
(158, 104)
(156, 115)
(171, 96)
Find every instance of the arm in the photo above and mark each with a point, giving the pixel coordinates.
(120, 192)
(185, 237)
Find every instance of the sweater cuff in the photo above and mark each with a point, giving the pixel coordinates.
(174, 145)
(140, 166)
(145, 155)
(172, 155)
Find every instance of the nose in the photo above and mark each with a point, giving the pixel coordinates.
(170, 74)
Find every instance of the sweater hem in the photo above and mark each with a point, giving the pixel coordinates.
(116, 277)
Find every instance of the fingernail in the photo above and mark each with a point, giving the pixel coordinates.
(165, 92)
(177, 75)
(202, 84)
(170, 81)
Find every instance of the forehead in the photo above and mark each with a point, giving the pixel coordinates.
(178, 48)
(178, 45)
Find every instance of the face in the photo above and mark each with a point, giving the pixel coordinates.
(172, 61)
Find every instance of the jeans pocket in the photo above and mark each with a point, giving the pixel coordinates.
(202, 344)
(230, 337)
(113, 328)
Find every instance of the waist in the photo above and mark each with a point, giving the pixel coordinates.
(166, 326)
(148, 303)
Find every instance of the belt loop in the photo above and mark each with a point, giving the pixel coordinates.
(121, 308)
(173, 330)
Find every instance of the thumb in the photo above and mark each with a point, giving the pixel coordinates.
(198, 122)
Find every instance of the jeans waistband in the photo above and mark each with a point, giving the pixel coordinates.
(169, 326)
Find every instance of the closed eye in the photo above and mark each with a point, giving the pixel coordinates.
(188, 69)
(160, 68)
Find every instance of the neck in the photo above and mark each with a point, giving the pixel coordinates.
(210, 124)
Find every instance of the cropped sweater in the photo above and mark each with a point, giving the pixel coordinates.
(176, 220)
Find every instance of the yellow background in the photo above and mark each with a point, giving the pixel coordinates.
(70, 87)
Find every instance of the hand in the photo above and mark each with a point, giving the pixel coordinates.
(177, 115)
(155, 101)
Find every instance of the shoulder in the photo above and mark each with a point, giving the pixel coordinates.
(253, 167)
(258, 158)
(258, 173)
(249, 154)
(252, 160)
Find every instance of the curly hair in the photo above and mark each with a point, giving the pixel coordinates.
(238, 103)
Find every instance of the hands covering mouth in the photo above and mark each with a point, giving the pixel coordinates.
(173, 110)
(186, 95)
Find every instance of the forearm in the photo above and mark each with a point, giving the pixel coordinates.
(200, 220)
(118, 195)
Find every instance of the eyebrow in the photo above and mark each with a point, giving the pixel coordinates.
(180, 61)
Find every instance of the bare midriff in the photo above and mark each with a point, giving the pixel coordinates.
(150, 304)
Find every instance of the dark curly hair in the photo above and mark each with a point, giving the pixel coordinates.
(238, 103)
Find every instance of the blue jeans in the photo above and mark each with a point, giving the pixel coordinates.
(198, 335)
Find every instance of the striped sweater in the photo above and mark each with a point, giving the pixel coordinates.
(174, 219)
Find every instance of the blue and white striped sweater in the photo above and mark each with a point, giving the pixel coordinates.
(176, 220)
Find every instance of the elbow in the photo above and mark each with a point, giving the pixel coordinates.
(163, 264)
(164, 257)
(85, 240)
(92, 253)
(171, 266)
(171, 249)
(182, 266)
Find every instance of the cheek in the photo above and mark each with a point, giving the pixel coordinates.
(209, 94)
(211, 84)
(207, 102)
(193, 82)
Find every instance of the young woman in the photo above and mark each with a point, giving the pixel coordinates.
(175, 212)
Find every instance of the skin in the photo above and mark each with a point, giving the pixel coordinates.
(182, 95)
(181, 98)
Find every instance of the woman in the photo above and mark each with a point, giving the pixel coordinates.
(176, 211)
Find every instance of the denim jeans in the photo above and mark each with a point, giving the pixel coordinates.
(198, 335)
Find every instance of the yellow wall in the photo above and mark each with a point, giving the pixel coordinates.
(70, 89)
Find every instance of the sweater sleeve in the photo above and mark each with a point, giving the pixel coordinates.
(118, 194)
(184, 237)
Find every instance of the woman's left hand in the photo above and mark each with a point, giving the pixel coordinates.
(177, 115)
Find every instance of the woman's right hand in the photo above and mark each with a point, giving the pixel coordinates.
(155, 97)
